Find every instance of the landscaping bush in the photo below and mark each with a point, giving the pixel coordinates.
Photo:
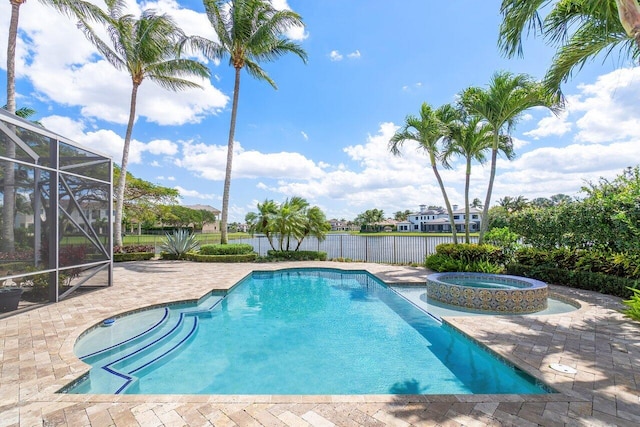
(442, 263)
(179, 243)
(634, 305)
(591, 281)
(503, 238)
(171, 256)
(128, 249)
(296, 256)
(246, 257)
(132, 256)
(470, 253)
(466, 257)
(229, 249)
(595, 261)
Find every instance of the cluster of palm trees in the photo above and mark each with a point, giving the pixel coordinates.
(518, 203)
(483, 118)
(149, 47)
(288, 223)
(479, 124)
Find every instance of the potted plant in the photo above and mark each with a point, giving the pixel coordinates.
(9, 296)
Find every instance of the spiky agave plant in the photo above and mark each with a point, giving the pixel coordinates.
(179, 243)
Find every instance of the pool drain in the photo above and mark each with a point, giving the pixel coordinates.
(563, 368)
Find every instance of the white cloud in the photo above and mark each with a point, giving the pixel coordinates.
(609, 106)
(334, 55)
(304, 135)
(209, 161)
(556, 125)
(78, 77)
(107, 141)
(194, 194)
(162, 146)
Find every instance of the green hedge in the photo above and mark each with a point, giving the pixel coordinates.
(466, 257)
(471, 252)
(191, 256)
(599, 282)
(296, 255)
(595, 261)
(132, 256)
(229, 249)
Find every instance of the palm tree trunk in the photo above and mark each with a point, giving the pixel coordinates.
(227, 174)
(122, 181)
(452, 221)
(466, 201)
(629, 13)
(9, 191)
(11, 55)
(485, 210)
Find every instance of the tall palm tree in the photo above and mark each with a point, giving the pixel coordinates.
(501, 105)
(249, 32)
(579, 29)
(147, 48)
(470, 138)
(429, 130)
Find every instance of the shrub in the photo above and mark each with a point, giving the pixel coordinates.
(250, 257)
(634, 305)
(471, 252)
(179, 243)
(127, 249)
(531, 256)
(296, 255)
(591, 281)
(503, 238)
(442, 263)
(132, 256)
(229, 249)
(595, 261)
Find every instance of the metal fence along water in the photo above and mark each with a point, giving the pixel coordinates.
(382, 248)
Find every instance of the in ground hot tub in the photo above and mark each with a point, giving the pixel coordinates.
(488, 292)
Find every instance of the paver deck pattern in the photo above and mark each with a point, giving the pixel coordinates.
(36, 360)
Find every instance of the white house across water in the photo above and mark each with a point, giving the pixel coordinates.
(437, 221)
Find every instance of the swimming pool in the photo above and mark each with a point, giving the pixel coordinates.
(303, 331)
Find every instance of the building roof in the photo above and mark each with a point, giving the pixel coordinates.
(203, 208)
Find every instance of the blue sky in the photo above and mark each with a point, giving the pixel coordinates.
(323, 134)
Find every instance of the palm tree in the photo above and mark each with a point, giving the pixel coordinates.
(476, 203)
(470, 138)
(147, 48)
(580, 30)
(315, 224)
(289, 220)
(501, 105)
(428, 131)
(249, 32)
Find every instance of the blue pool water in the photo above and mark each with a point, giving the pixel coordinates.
(292, 332)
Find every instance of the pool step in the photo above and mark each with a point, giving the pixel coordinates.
(157, 351)
(119, 350)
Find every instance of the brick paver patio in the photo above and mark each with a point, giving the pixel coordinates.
(36, 360)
